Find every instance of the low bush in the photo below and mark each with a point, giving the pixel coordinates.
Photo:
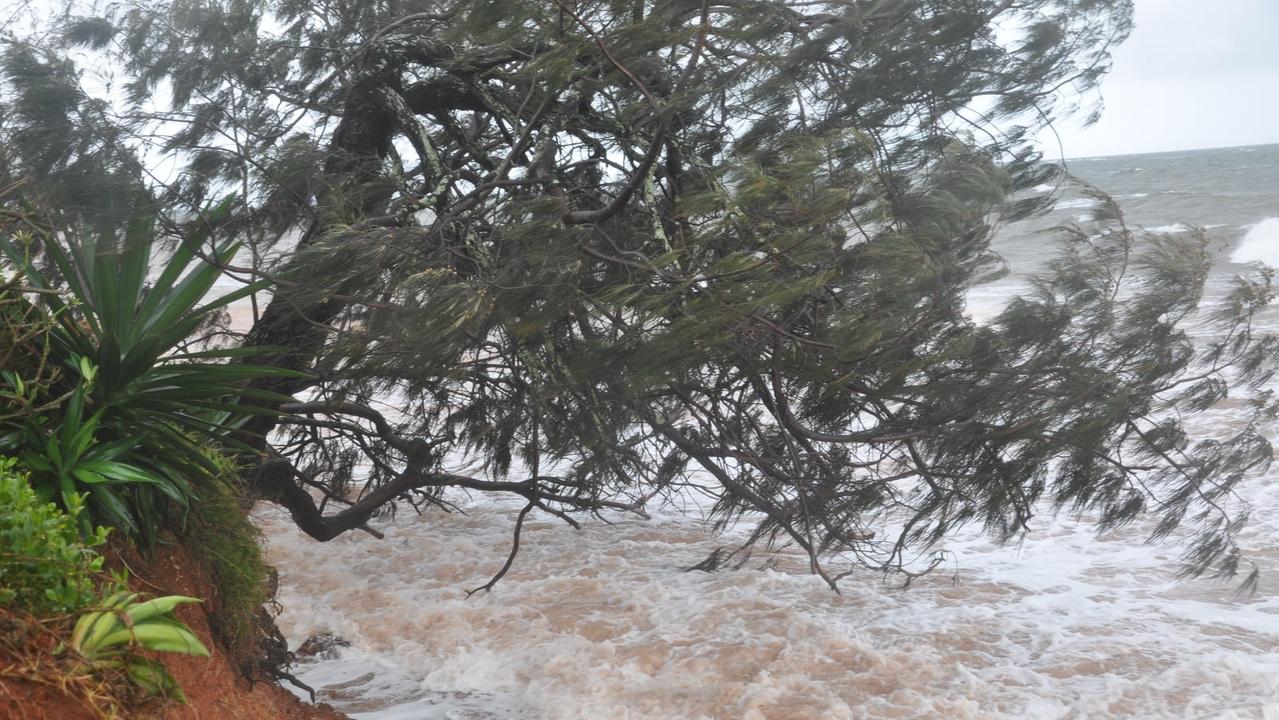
(46, 566)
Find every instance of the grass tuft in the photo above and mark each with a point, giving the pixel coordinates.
(221, 538)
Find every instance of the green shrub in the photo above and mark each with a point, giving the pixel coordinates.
(45, 566)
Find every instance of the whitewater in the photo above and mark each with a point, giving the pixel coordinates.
(606, 623)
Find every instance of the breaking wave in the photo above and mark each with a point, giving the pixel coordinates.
(1261, 244)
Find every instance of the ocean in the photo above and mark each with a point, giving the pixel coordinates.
(604, 623)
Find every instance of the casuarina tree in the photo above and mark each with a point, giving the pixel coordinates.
(597, 253)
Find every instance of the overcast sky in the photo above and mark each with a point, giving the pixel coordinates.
(1193, 74)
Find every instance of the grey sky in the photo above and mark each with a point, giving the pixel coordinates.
(1194, 74)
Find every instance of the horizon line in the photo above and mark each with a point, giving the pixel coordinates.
(1164, 152)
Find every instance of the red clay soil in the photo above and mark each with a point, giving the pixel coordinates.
(214, 690)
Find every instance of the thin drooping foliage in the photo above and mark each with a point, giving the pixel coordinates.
(613, 249)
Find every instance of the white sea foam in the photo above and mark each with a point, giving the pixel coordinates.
(1182, 227)
(603, 623)
(1076, 203)
(1261, 244)
(986, 301)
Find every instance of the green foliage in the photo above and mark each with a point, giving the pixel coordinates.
(45, 567)
(66, 458)
(140, 402)
(220, 536)
(108, 637)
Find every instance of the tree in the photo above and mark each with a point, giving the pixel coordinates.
(614, 249)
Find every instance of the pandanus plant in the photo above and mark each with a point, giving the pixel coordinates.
(144, 407)
(107, 637)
